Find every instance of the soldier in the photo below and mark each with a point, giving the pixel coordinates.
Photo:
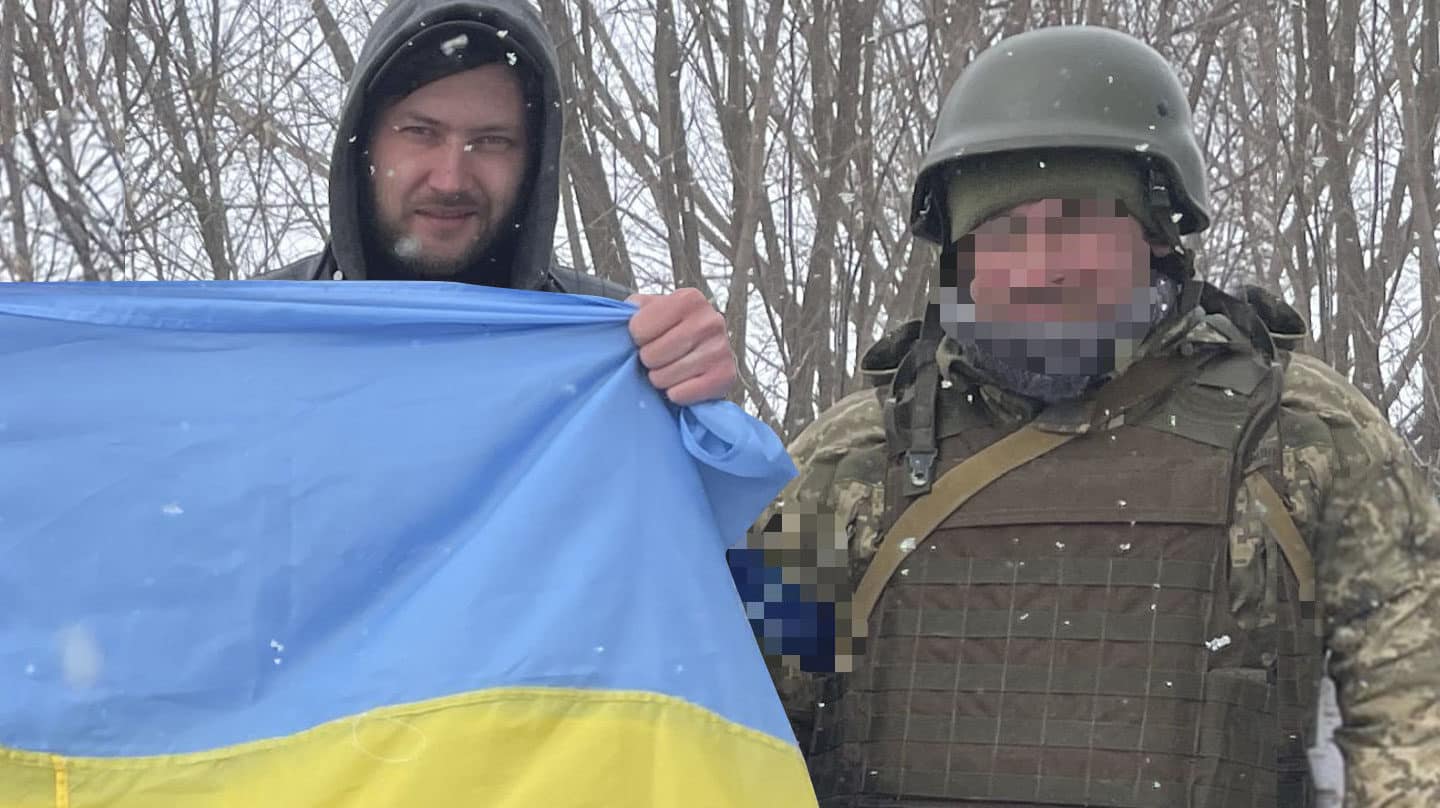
(1101, 522)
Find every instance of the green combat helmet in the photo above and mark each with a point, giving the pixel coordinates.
(1065, 88)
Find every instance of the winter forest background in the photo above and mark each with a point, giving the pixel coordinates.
(761, 150)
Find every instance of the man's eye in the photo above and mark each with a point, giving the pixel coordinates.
(419, 131)
(492, 142)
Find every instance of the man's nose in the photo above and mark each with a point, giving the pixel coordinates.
(447, 174)
(1039, 263)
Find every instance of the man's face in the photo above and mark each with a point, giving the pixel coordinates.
(1057, 261)
(449, 160)
(1059, 287)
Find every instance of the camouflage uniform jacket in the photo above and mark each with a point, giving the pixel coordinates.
(1355, 492)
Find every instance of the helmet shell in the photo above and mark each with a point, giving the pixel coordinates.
(1076, 86)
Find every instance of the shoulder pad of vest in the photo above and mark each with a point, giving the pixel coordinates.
(1240, 373)
(880, 362)
(1287, 328)
(1243, 315)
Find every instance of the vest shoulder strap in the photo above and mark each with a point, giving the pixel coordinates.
(948, 493)
(1141, 382)
(1287, 534)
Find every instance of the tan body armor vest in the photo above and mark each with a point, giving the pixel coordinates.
(1076, 632)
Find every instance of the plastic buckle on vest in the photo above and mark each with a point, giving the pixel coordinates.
(920, 464)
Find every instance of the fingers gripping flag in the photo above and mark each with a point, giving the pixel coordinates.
(284, 544)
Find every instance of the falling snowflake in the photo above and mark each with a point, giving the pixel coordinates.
(407, 247)
(1218, 643)
(453, 44)
(80, 657)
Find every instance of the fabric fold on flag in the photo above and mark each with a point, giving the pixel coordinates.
(370, 544)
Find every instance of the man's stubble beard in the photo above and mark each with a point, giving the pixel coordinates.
(406, 252)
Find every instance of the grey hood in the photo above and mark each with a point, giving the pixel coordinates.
(528, 249)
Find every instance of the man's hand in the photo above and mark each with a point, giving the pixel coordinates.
(683, 344)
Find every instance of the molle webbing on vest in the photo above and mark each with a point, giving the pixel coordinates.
(957, 486)
(1053, 643)
(1146, 380)
(1063, 662)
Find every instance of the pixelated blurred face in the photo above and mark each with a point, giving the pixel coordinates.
(1058, 287)
(1057, 261)
(449, 163)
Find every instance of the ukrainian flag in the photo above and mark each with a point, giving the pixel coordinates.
(354, 544)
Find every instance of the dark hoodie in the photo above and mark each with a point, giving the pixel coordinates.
(528, 249)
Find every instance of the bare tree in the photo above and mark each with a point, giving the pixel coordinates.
(759, 150)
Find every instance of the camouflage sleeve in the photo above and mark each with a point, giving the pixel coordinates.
(806, 538)
(1376, 525)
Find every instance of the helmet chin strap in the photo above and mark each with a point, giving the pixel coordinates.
(1158, 195)
(1179, 264)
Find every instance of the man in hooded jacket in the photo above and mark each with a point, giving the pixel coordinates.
(446, 167)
